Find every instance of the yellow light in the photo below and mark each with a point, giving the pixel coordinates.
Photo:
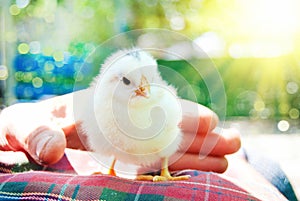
(23, 48)
(283, 108)
(19, 76)
(47, 51)
(294, 113)
(3, 72)
(27, 77)
(259, 105)
(267, 28)
(14, 10)
(37, 82)
(270, 17)
(48, 66)
(58, 56)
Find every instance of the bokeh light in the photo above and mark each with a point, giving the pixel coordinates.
(38, 74)
(35, 47)
(283, 125)
(294, 113)
(47, 51)
(14, 10)
(292, 87)
(23, 48)
(37, 82)
(177, 23)
(3, 72)
(58, 56)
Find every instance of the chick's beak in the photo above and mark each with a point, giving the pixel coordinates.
(143, 89)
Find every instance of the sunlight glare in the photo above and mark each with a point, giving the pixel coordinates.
(274, 24)
(275, 17)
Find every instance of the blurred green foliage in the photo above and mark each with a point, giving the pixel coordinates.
(259, 60)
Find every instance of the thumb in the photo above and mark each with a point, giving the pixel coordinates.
(46, 145)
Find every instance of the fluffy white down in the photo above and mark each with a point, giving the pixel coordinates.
(140, 130)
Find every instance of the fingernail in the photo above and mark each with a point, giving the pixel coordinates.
(202, 157)
(41, 145)
(51, 148)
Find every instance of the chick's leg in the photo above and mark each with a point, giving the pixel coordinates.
(111, 170)
(165, 174)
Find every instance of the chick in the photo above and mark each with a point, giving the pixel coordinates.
(136, 114)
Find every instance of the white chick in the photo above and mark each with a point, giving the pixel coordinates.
(136, 113)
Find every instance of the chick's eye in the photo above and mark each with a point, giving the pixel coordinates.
(126, 81)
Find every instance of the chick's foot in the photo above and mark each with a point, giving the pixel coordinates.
(159, 178)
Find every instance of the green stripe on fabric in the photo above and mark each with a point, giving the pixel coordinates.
(17, 187)
(111, 195)
(50, 190)
(75, 192)
(62, 192)
(148, 197)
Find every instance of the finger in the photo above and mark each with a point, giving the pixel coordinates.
(74, 139)
(193, 161)
(46, 145)
(217, 144)
(197, 118)
(229, 142)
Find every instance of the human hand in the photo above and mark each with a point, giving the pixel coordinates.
(45, 129)
(207, 147)
(28, 128)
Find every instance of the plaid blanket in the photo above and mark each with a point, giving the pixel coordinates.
(60, 182)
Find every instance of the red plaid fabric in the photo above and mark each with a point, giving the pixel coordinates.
(60, 182)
